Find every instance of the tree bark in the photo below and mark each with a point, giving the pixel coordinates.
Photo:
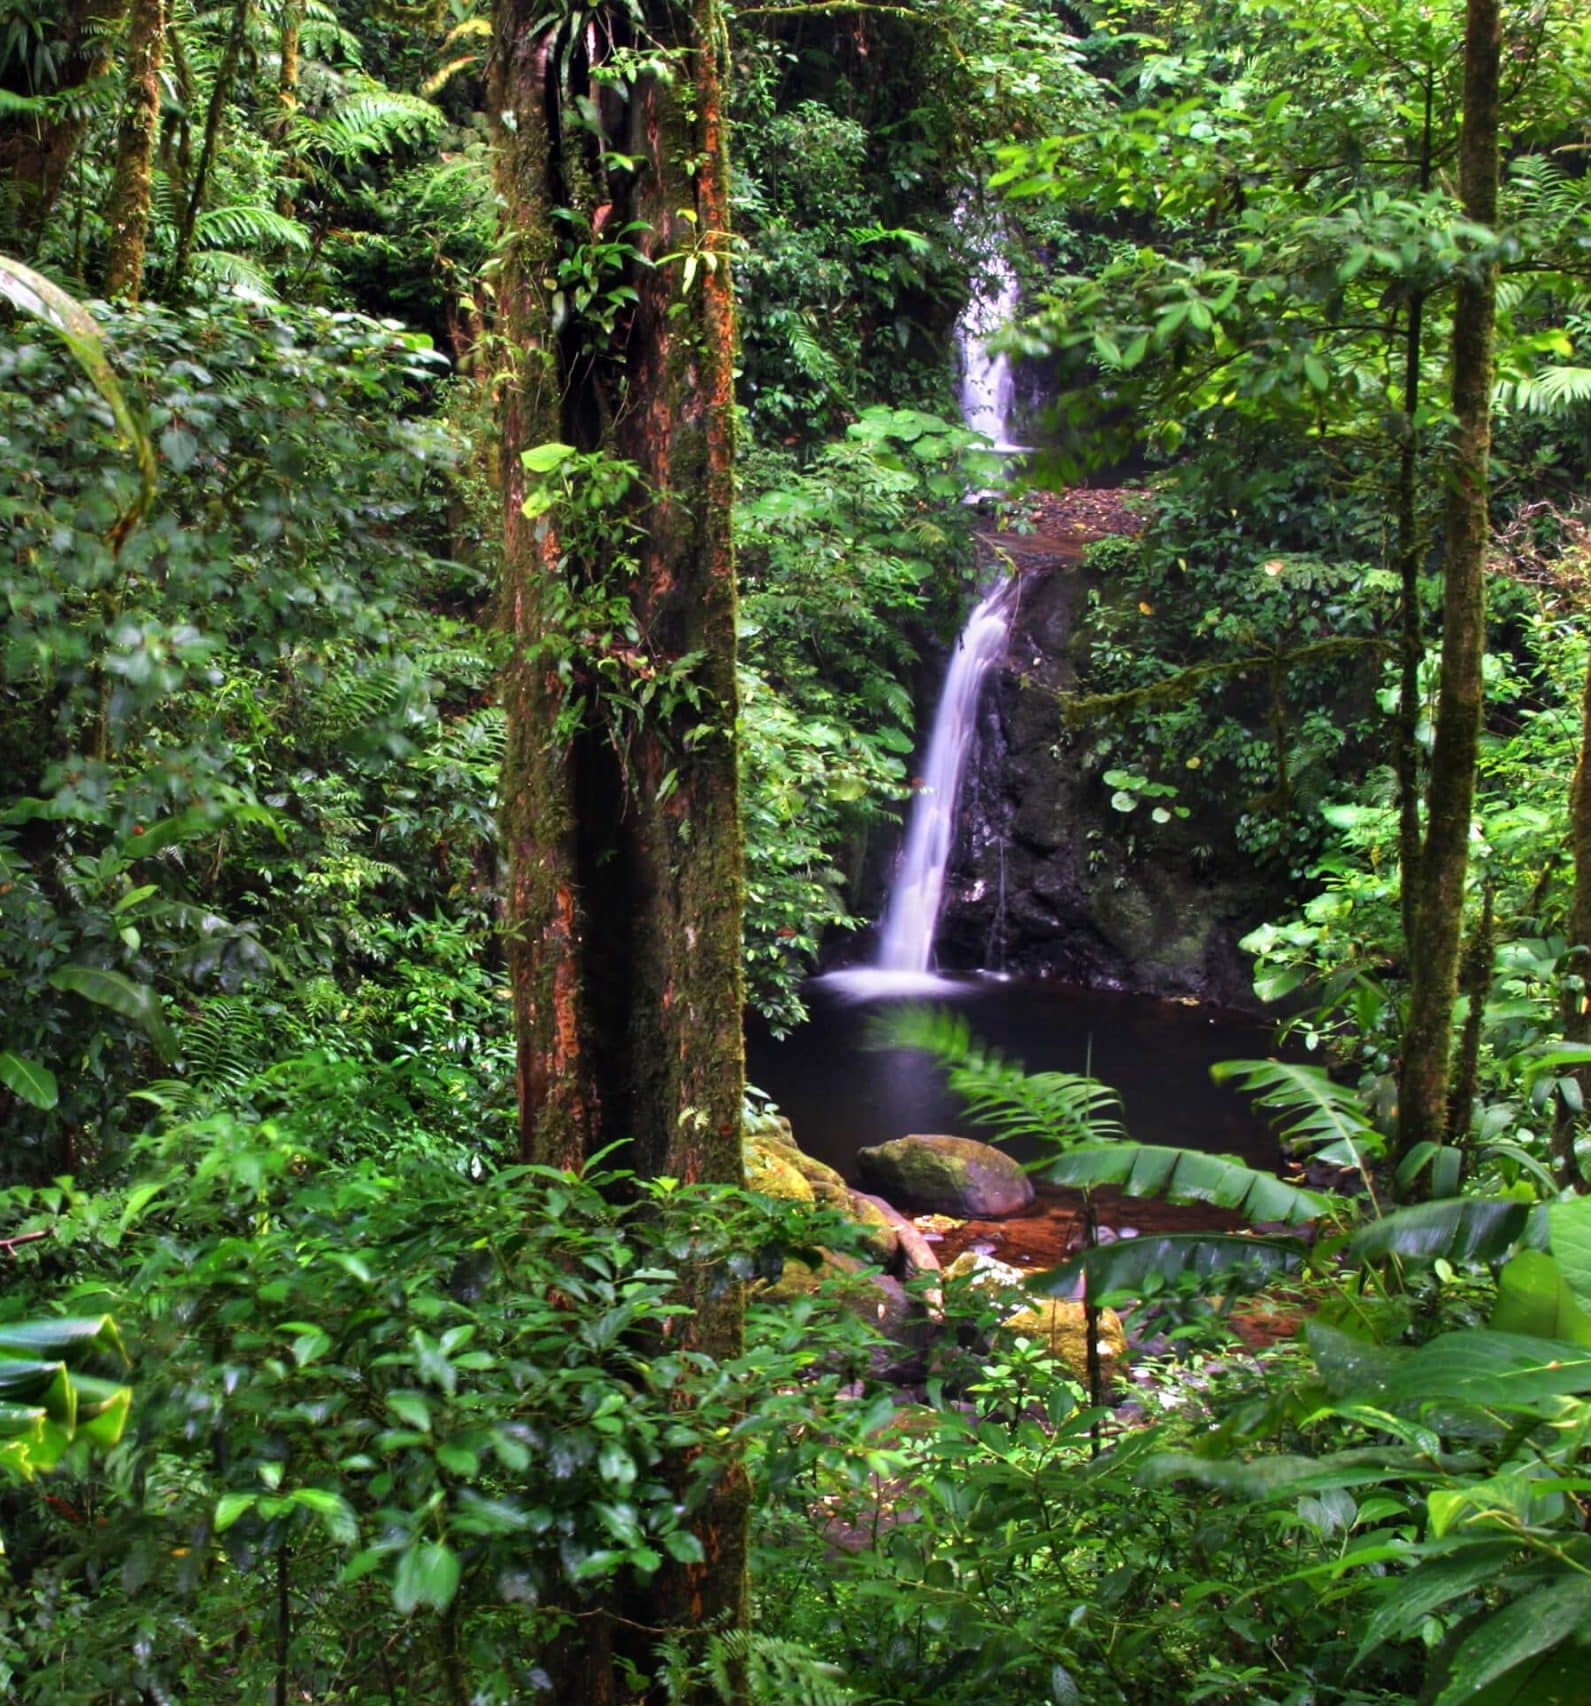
(36, 153)
(1577, 997)
(132, 182)
(621, 821)
(1439, 907)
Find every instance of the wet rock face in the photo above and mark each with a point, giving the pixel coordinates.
(1047, 879)
(946, 1175)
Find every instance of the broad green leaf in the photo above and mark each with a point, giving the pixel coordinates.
(1126, 1266)
(229, 1507)
(1476, 1565)
(543, 458)
(1456, 1229)
(45, 1384)
(1569, 1223)
(135, 1001)
(1523, 1630)
(335, 1513)
(69, 1338)
(1497, 1371)
(427, 1574)
(1186, 1175)
(1533, 1298)
(35, 1084)
(1287, 1476)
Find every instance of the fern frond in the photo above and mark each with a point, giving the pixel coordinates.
(1312, 1111)
(248, 227)
(368, 121)
(1552, 391)
(234, 272)
(1057, 1108)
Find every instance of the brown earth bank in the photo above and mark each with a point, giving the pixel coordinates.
(1052, 1230)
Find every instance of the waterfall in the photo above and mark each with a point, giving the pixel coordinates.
(988, 390)
(911, 912)
(906, 936)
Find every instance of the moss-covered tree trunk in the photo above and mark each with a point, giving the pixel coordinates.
(620, 796)
(1577, 998)
(36, 150)
(132, 182)
(1450, 794)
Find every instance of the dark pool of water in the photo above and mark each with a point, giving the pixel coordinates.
(842, 1095)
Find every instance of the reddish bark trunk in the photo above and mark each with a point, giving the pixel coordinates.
(620, 800)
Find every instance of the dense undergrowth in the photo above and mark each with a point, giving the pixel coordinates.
(404, 1412)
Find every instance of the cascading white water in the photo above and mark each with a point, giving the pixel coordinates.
(906, 936)
(911, 913)
(988, 389)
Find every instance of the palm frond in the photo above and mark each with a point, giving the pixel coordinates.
(1312, 1112)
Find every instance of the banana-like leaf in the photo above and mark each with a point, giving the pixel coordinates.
(135, 1001)
(1246, 1264)
(70, 1339)
(1455, 1229)
(1186, 1175)
(32, 293)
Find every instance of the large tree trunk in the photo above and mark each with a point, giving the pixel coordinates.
(132, 182)
(36, 153)
(620, 798)
(1439, 907)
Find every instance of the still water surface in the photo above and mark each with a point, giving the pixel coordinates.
(842, 1095)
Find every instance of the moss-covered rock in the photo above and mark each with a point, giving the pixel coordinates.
(771, 1170)
(1058, 1323)
(1062, 1326)
(883, 1241)
(946, 1175)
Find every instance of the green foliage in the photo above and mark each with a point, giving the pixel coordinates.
(49, 1407)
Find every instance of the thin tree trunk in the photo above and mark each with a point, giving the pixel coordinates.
(133, 177)
(1412, 641)
(220, 94)
(1577, 998)
(287, 97)
(1439, 911)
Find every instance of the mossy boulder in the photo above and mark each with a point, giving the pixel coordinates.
(878, 1230)
(771, 1170)
(934, 1174)
(1060, 1324)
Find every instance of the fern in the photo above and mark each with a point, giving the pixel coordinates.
(1058, 1108)
(1312, 1110)
(740, 1664)
(370, 120)
(249, 227)
(233, 272)
(1552, 391)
